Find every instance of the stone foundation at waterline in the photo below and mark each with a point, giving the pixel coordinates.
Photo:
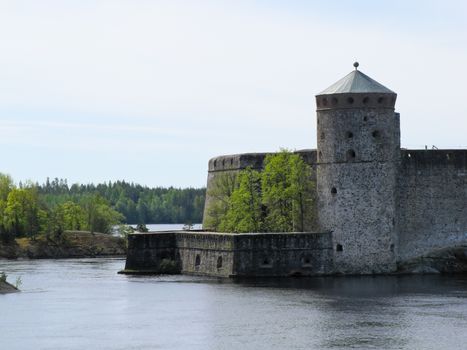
(229, 254)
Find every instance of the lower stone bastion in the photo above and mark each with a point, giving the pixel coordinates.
(229, 254)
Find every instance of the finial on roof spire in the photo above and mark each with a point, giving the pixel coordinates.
(356, 65)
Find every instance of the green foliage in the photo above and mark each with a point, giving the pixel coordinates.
(220, 192)
(142, 228)
(25, 213)
(281, 198)
(3, 277)
(244, 211)
(138, 204)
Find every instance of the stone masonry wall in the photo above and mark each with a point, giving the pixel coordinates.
(283, 254)
(432, 200)
(358, 154)
(146, 251)
(231, 255)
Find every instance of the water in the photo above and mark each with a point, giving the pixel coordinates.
(85, 304)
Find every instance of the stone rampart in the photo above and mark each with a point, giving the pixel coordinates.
(229, 254)
(432, 200)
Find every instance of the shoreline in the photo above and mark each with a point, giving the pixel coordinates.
(70, 245)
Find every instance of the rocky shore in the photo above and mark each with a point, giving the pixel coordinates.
(446, 260)
(6, 287)
(71, 244)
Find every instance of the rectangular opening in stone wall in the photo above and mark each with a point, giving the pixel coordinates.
(265, 262)
(306, 261)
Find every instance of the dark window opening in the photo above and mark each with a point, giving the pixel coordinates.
(197, 260)
(306, 261)
(366, 100)
(350, 100)
(334, 101)
(376, 134)
(380, 99)
(339, 248)
(231, 162)
(215, 163)
(365, 118)
(350, 154)
(219, 262)
(325, 101)
(391, 247)
(266, 262)
(349, 134)
(333, 190)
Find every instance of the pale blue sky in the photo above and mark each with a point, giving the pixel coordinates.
(148, 91)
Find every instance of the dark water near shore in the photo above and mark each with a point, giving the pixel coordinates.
(84, 304)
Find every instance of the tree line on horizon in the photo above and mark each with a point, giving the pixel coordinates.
(31, 209)
(138, 204)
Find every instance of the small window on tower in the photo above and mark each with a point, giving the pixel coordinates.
(350, 100)
(350, 154)
(349, 134)
(366, 100)
(334, 101)
(380, 100)
(339, 248)
(333, 190)
(376, 134)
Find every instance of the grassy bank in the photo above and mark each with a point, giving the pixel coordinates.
(71, 244)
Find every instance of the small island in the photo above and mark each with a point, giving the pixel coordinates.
(6, 287)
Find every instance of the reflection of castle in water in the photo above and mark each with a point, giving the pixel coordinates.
(377, 205)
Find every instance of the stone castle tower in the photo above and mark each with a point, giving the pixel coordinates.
(357, 167)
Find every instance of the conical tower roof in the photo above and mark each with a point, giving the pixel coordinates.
(356, 82)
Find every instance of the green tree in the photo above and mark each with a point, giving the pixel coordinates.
(303, 193)
(220, 192)
(74, 217)
(244, 213)
(276, 189)
(288, 192)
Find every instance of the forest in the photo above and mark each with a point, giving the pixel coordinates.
(31, 209)
(138, 204)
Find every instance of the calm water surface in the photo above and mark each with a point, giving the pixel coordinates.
(85, 304)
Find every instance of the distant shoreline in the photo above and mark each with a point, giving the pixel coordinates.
(72, 244)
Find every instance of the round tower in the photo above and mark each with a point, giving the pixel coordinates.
(358, 156)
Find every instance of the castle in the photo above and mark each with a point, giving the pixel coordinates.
(377, 205)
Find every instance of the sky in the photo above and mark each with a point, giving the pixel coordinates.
(148, 91)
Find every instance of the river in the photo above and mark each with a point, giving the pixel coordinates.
(84, 304)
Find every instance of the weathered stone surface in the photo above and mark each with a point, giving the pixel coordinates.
(358, 155)
(432, 201)
(382, 205)
(445, 260)
(231, 255)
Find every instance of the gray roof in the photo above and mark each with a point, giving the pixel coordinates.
(356, 82)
